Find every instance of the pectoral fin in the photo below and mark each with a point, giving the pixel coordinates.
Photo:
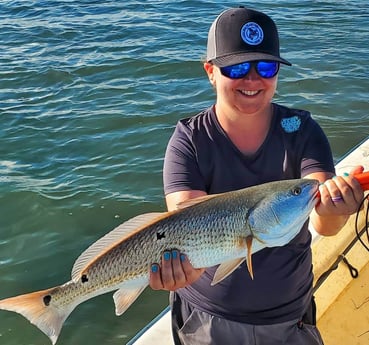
(248, 256)
(225, 269)
(123, 298)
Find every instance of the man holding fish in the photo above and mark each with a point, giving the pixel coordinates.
(243, 140)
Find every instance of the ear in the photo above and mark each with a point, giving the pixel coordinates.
(209, 69)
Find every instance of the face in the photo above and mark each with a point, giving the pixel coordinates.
(247, 96)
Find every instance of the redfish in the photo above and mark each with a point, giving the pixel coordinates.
(221, 229)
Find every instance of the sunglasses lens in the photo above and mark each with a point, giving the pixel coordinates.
(236, 71)
(267, 69)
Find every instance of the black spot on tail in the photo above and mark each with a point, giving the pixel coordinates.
(84, 279)
(160, 235)
(47, 300)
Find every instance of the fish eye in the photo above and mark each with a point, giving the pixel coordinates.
(296, 191)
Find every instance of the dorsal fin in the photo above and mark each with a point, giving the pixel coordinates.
(195, 201)
(113, 238)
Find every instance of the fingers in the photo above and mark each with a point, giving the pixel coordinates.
(192, 274)
(172, 273)
(175, 271)
(340, 195)
(155, 278)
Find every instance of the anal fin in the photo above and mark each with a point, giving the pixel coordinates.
(123, 298)
(225, 269)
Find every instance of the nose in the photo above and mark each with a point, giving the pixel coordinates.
(252, 75)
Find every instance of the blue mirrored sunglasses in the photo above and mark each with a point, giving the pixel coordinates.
(266, 69)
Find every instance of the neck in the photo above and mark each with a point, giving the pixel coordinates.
(246, 131)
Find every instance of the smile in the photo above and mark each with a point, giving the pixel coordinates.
(249, 93)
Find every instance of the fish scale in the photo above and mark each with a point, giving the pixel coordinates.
(219, 229)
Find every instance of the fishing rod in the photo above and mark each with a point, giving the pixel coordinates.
(363, 179)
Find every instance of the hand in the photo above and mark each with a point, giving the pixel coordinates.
(174, 272)
(340, 195)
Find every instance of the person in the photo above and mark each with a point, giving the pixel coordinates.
(245, 139)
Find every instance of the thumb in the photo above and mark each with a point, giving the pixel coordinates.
(357, 170)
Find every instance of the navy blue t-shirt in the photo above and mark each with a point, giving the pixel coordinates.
(200, 156)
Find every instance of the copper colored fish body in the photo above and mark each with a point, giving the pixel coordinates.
(222, 229)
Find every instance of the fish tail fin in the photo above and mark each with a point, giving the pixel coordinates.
(39, 310)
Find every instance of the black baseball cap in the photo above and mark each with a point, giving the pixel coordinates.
(239, 35)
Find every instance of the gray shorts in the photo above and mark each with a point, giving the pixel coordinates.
(194, 327)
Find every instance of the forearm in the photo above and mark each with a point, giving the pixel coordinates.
(328, 225)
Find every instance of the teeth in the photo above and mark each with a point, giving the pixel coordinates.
(249, 93)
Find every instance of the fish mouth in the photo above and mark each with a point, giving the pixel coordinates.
(316, 196)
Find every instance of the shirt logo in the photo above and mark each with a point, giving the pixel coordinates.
(252, 33)
(291, 124)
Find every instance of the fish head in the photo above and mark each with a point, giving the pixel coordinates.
(279, 216)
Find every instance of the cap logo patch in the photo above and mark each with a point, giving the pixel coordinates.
(252, 33)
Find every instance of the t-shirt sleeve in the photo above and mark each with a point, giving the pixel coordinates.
(181, 171)
(317, 154)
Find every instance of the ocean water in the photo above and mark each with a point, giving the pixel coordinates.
(90, 92)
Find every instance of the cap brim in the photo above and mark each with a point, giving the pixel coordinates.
(246, 57)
